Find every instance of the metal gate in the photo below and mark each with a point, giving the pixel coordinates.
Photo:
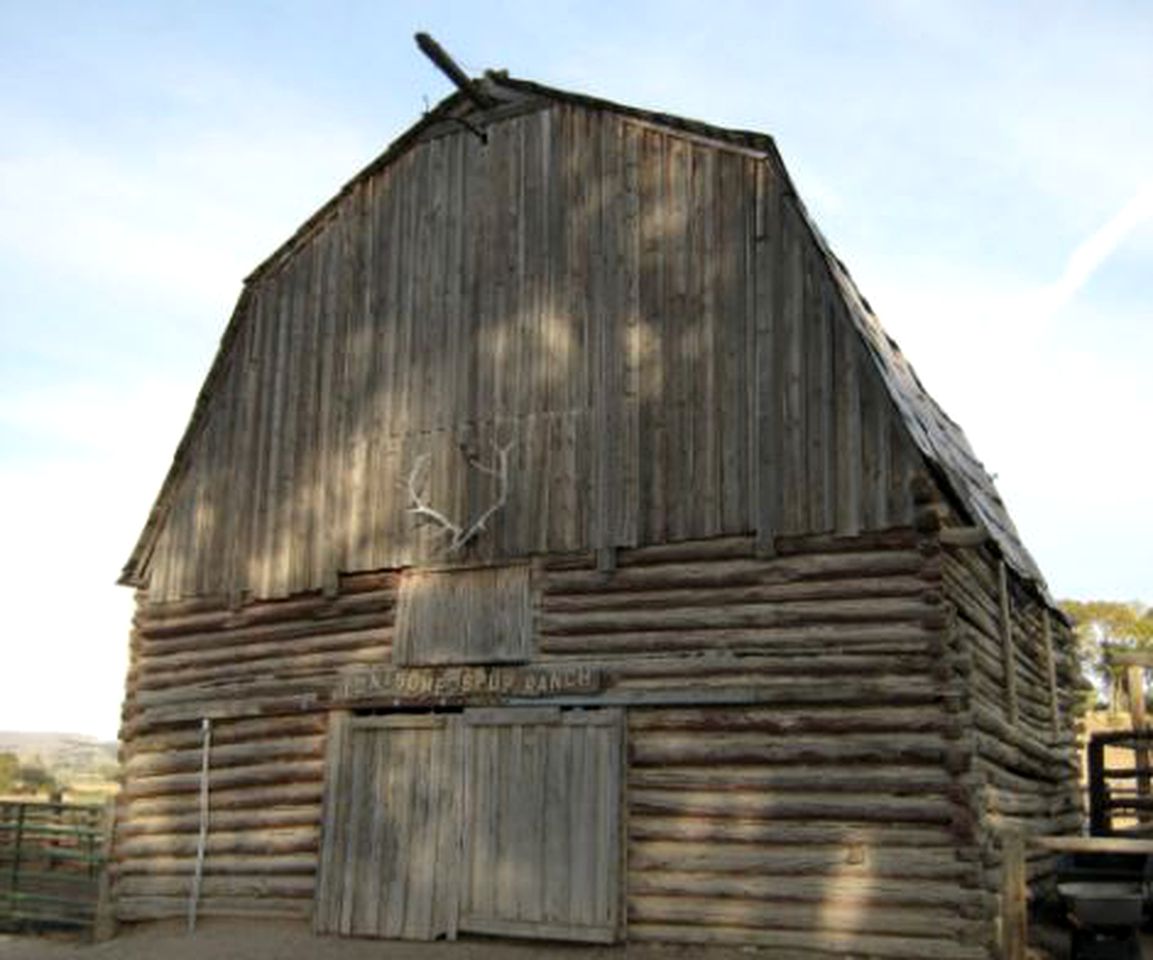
(52, 859)
(503, 821)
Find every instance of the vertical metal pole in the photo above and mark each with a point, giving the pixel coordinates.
(202, 839)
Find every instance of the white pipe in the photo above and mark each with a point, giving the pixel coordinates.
(202, 840)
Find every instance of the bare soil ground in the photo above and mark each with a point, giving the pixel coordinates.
(286, 940)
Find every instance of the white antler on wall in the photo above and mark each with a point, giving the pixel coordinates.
(462, 533)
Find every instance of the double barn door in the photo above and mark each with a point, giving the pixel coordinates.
(501, 821)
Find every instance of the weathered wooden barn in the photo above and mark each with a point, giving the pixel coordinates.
(559, 548)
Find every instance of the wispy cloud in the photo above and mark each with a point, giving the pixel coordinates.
(1092, 252)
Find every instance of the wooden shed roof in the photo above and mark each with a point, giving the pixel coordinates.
(937, 436)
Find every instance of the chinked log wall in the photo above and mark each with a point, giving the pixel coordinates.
(796, 742)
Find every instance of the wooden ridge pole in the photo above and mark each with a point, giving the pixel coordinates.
(449, 67)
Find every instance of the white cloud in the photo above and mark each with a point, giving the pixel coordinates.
(1093, 251)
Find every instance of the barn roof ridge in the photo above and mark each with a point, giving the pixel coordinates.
(937, 436)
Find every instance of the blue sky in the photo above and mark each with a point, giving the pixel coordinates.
(984, 169)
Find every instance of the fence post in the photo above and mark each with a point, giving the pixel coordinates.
(104, 921)
(1100, 817)
(17, 849)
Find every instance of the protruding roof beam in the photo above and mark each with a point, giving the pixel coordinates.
(449, 67)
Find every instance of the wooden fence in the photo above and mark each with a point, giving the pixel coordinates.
(51, 864)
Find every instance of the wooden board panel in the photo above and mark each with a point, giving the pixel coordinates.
(464, 616)
(542, 804)
(388, 861)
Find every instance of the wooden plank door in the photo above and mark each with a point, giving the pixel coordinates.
(542, 823)
(389, 863)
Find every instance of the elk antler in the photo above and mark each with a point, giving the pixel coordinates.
(461, 533)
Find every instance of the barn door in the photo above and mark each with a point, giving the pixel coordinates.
(389, 866)
(542, 823)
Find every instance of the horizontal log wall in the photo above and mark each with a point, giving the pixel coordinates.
(646, 317)
(1024, 776)
(266, 784)
(792, 827)
(797, 760)
(828, 817)
(248, 669)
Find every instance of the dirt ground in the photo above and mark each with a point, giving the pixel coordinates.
(283, 940)
(286, 940)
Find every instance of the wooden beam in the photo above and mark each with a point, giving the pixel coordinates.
(1008, 649)
(963, 536)
(1092, 845)
(1130, 658)
(1099, 823)
(1051, 674)
(1135, 684)
(1014, 898)
(449, 67)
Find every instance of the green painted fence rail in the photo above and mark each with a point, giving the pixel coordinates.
(51, 861)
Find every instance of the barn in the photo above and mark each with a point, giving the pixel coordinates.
(559, 548)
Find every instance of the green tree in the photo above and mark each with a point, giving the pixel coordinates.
(34, 778)
(9, 764)
(1103, 625)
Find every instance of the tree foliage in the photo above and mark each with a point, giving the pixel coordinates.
(34, 778)
(9, 765)
(17, 777)
(1101, 625)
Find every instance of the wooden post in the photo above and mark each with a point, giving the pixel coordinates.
(1099, 821)
(1051, 674)
(104, 922)
(1007, 647)
(1135, 684)
(1014, 898)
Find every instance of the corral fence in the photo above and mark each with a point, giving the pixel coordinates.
(51, 864)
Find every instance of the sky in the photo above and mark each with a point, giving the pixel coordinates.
(985, 170)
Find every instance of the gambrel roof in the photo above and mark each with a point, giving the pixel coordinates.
(940, 440)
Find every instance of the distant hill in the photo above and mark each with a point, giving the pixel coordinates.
(67, 756)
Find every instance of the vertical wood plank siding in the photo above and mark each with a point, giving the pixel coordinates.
(645, 316)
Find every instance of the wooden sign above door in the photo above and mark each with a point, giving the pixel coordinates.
(422, 685)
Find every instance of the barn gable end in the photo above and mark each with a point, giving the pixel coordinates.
(558, 453)
(586, 336)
